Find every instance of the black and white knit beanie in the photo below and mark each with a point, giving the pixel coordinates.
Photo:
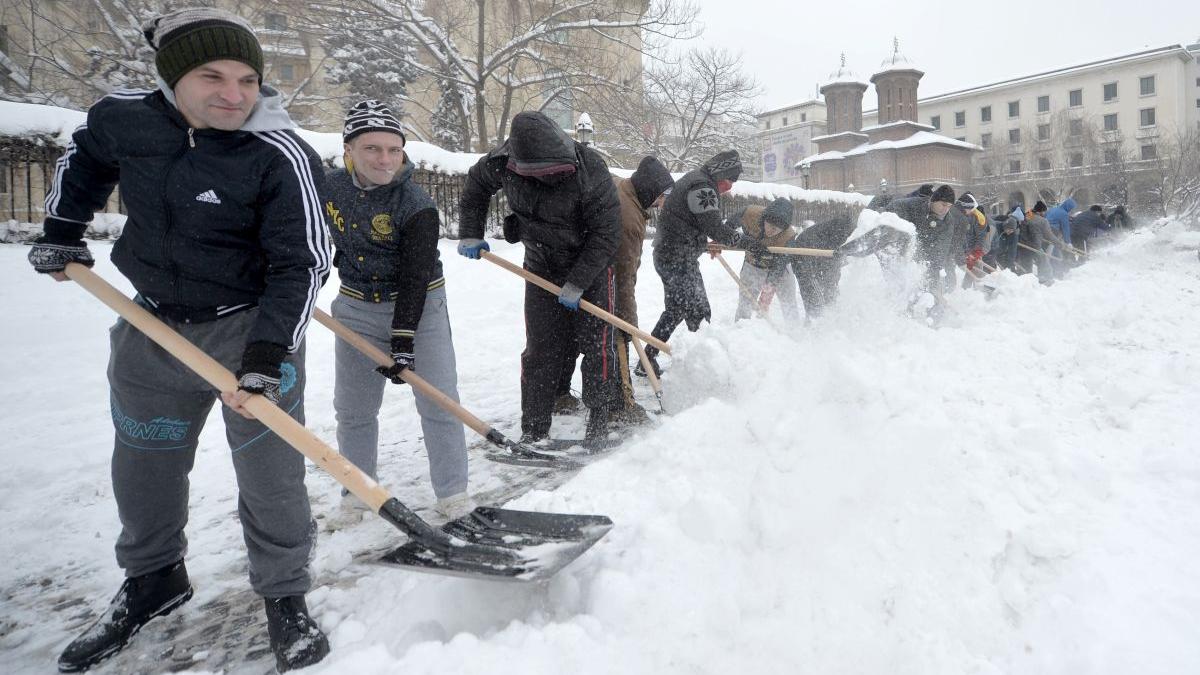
(724, 166)
(188, 38)
(371, 115)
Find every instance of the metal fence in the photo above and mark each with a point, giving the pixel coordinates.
(27, 169)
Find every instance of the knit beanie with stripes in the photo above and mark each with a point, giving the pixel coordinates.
(371, 115)
(188, 38)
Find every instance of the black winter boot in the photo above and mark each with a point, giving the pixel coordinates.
(598, 423)
(139, 600)
(640, 370)
(296, 639)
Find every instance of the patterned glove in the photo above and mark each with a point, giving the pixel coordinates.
(402, 359)
(52, 255)
(570, 296)
(752, 245)
(472, 248)
(260, 370)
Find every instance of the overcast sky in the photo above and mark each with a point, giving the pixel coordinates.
(791, 45)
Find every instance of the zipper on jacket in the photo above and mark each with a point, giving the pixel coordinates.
(176, 295)
(191, 139)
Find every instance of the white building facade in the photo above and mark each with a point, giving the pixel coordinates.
(785, 136)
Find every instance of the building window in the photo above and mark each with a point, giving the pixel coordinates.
(1110, 122)
(768, 124)
(1043, 104)
(1146, 117)
(1014, 108)
(1146, 85)
(960, 118)
(1075, 98)
(1076, 160)
(275, 21)
(1043, 163)
(559, 107)
(287, 73)
(1014, 136)
(985, 113)
(1110, 156)
(936, 121)
(803, 117)
(3, 178)
(985, 140)
(961, 138)
(1075, 128)
(784, 121)
(1149, 152)
(1043, 132)
(4, 39)
(1014, 166)
(1110, 92)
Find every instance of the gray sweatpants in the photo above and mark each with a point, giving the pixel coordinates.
(358, 389)
(785, 289)
(158, 408)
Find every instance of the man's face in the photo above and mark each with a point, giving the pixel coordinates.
(939, 209)
(659, 202)
(377, 156)
(771, 229)
(217, 95)
(724, 186)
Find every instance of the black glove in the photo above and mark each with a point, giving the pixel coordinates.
(52, 255)
(752, 245)
(402, 359)
(260, 370)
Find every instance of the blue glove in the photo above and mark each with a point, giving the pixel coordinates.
(569, 296)
(472, 248)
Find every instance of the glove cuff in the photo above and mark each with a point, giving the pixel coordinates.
(402, 346)
(62, 232)
(571, 292)
(263, 358)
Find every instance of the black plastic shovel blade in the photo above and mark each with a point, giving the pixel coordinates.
(518, 454)
(505, 544)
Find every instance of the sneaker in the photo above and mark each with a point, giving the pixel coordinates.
(296, 639)
(567, 404)
(455, 506)
(350, 511)
(139, 600)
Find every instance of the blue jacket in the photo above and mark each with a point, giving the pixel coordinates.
(1060, 218)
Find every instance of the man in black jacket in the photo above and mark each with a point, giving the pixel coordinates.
(935, 233)
(566, 212)
(226, 244)
(690, 217)
(818, 277)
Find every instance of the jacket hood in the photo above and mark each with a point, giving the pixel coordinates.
(268, 113)
(1018, 214)
(650, 180)
(1069, 205)
(537, 147)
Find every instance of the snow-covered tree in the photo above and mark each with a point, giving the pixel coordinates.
(1172, 186)
(369, 58)
(688, 109)
(506, 55)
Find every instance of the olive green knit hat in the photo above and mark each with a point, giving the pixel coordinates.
(188, 38)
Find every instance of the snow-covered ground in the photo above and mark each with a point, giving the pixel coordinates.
(1015, 492)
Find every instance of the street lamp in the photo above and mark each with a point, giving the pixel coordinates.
(584, 129)
(805, 171)
(883, 188)
(850, 187)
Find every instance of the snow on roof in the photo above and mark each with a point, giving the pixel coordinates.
(917, 139)
(1058, 72)
(28, 119)
(898, 123)
(843, 75)
(798, 104)
(896, 61)
(840, 133)
(770, 191)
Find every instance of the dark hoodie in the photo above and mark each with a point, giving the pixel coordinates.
(561, 194)
(692, 215)
(650, 180)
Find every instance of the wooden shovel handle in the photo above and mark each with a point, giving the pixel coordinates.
(655, 384)
(741, 285)
(274, 418)
(417, 382)
(584, 305)
(789, 250)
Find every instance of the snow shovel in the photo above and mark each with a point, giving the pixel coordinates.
(490, 543)
(1030, 248)
(655, 384)
(790, 250)
(741, 285)
(515, 452)
(584, 304)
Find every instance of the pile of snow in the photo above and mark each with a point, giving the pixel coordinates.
(1016, 492)
(27, 120)
(869, 220)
